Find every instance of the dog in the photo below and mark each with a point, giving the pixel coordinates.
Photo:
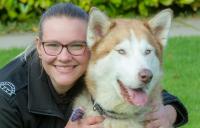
(124, 72)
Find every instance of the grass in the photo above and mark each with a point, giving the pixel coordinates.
(181, 73)
(8, 54)
(181, 68)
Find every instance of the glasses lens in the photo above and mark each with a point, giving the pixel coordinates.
(52, 48)
(77, 48)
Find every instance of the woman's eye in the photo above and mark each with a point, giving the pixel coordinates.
(76, 46)
(147, 51)
(52, 45)
(121, 51)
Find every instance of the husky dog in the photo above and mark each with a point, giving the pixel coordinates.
(125, 68)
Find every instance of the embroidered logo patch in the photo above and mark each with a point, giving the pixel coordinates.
(8, 88)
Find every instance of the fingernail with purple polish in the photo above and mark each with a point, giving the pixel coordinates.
(77, 114)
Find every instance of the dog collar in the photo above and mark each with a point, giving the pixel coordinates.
(112, 114)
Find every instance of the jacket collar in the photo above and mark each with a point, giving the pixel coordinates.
(40, 99)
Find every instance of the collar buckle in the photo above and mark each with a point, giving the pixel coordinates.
(98, 108)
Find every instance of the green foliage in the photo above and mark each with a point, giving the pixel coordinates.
(166, 2)
(22, 10)
(19, 27)
(182, 2)
(195, 5)
(143, 9)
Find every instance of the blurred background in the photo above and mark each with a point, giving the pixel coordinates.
(19, 25)
(23, 15)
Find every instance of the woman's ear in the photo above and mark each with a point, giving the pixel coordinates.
(38, 46)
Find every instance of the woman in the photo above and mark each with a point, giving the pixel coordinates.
(37, 88)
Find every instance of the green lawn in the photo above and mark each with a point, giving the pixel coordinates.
(181, 74)
(7, 54)
(181, 71)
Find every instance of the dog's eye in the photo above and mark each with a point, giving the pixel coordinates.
(121, 51)
(147, 51)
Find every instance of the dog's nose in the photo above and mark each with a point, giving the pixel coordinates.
(145, 75)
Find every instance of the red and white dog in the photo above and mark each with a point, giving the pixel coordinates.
(125, 67)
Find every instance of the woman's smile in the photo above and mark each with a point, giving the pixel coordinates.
(65, 68)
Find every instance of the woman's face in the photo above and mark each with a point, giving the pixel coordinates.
(63, 69)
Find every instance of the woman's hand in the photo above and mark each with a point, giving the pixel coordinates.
(161, 116)
(89, 122)
(77, 120)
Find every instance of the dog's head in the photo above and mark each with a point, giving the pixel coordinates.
(126, 57)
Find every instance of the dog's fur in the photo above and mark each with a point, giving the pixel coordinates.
(123, 52)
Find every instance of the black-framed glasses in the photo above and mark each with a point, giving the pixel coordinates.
(54, 48)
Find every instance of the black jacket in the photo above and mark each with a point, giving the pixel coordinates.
(27, 99)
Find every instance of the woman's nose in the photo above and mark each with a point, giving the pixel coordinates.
(65, 55)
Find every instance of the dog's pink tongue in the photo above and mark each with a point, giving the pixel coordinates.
(138, 98)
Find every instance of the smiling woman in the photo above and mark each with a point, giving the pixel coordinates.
(48, 75)
(63, 56)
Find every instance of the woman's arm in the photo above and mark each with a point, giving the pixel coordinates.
(182, 114)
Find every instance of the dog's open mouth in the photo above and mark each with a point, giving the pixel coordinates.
(136, 96)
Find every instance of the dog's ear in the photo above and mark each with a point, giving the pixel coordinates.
(160, 25)
(98, 26)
